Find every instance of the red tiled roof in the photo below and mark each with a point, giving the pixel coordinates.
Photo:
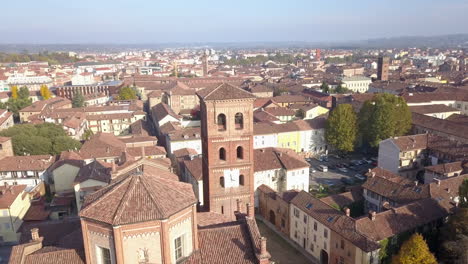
(138, 197)
(225, 91)
(8, 194)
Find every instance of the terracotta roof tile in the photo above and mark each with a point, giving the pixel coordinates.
(225, 91)
(138, 197)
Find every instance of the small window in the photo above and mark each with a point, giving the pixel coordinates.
(178, 248)
(221, 181)
(104, 255)
(241, 180)
(239, 121)
(221, 122)
(342, 244)
(315, 226)
(325, 233)
(240, 152)
(222, 209)
(222, 154)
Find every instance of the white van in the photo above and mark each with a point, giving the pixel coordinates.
(323, 168)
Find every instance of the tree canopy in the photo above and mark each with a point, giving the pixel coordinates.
(47, 138)
(78, 100)
(18, 100)
(51, 58)
(127, 93)
(325, 88)
(414, 250)
(454, 238)
(45, 92)
(341, 129)
(384, 116)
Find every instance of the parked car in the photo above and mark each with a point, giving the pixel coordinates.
(346, 180)
(332, 167)
(359, 177)
(312, 170)
(322, 168)
(344, 170)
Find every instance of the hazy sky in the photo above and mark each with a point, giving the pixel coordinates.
(155, 21)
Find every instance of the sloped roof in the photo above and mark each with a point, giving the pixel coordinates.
(225, 91)
(138, 197)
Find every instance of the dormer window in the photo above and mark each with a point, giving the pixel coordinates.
(221, 122)
(239, 121)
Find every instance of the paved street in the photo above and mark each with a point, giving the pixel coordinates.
(281, 252)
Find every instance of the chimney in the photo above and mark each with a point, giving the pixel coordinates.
(437, 181)
(143, 152)
(372, 215)
(373, 174)
(416, 183)
(108, 149)
(114, 167)
(239, 205)
(250, 211)
(348, 212)
(263, 248)
(35, 234)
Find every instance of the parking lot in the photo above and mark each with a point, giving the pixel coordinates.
(340, 170)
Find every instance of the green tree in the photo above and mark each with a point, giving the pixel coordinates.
(414, 250)
(78, 100)
(63, 143)
(14, 92)
(47, 138)
(463, 194)
(87, 134)
(341, 90)
(383, 117)
(300, 113)
(325, 88)
(45, 92)
(23, 93)
(127, 93)
(454, 238)
(341, 129)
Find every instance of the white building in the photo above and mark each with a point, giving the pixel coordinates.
(357, 84)
(280, 169)
(306, 227)
(85, 78)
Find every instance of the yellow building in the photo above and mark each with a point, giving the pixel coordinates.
(14, 203)
(288, 137)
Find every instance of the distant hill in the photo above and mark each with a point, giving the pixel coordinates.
(441, 41)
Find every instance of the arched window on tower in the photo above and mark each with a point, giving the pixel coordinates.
(221, 181)
(241, 180)
(239, 121)
(222, 154)
(221, 122)
(240, 152)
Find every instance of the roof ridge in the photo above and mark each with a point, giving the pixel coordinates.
(153, 199)
(109, 191)
(119, 211)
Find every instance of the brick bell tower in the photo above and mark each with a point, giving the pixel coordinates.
(227, 141)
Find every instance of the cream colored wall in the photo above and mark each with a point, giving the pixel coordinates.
(314, 112)
(306, 230)
(182, 228)
(150, 241)
(14, 218)
(64, 177)
(85, 184)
